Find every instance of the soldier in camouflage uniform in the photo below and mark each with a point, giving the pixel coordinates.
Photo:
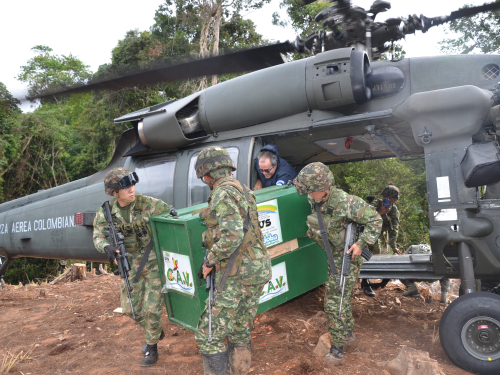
(338, 209)
(390, 226)
(410, 284)
(237, 301)
(131, 214)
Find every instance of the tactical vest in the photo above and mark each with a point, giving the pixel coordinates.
(335, 231)
(213, 234)
(137, 233)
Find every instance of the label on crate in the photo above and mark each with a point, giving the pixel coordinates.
(277, 285)
(269, 221)
(178, 272)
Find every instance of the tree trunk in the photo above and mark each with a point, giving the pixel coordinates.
(217, 22)
(78, 271)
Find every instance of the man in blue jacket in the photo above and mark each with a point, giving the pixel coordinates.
(272, 169)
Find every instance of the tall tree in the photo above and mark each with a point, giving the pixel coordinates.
(480, 33)
(47, 71)
(9, 110)
(300, 16)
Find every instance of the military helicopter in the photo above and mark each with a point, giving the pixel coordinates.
(338, 105)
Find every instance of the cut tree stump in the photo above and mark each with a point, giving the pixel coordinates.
(78, 271)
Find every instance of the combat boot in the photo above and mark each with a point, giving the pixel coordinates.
(145, 346)
(216, 364)
(412, 290)
(240, 358)
(350, 340)
(151, 356)
(366, 285)
(336, 355)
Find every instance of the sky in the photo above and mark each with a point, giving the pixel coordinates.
(89, 30)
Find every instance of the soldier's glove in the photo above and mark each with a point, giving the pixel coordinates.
(111, 253)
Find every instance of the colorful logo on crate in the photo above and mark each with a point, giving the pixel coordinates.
(277, 285)
(269, 208)
(178, 272)
(269, 222)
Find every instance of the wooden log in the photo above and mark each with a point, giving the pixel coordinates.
(64, 277)
(78, 271)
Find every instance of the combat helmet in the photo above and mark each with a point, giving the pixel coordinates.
(390, 191)
(119, 178)
(211, 159)
(314, 177)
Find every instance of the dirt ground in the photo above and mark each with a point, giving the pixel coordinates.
(71, 328)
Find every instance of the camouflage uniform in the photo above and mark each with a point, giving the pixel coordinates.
(340, 209)
(146, 296)
(390, 222)
(237, 304)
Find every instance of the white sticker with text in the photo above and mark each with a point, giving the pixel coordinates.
(178, 274)
(277, 285)
(269, 221)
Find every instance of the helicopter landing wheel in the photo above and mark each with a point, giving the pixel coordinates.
(470, 332)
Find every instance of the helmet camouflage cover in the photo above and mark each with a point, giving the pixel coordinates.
(314, 177)
(390, 191)
(112, 177)
(211, 159)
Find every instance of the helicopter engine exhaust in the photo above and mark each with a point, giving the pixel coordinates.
(328, 81)
(191, 124)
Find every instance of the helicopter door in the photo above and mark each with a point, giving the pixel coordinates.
(198, 192)
(156, 177)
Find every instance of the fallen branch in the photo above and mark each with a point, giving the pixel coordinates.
(64, 277)
(102, 271)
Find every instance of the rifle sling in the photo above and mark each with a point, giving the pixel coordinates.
(326, 243)
(235, 253)
(143, 261)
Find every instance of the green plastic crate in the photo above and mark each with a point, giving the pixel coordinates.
(299, 264)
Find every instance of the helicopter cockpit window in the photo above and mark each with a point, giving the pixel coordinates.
(198, 191)
(156, 178)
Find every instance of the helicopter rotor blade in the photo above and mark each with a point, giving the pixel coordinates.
(457, 14)
(235, 62)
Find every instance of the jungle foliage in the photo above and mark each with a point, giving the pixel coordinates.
(480, 34)
(369, 177)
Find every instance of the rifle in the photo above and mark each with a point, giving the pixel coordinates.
(350, 238)
(209, 286)
(116, 240)
(326, 243)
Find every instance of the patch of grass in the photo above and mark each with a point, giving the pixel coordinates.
(10, 359)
